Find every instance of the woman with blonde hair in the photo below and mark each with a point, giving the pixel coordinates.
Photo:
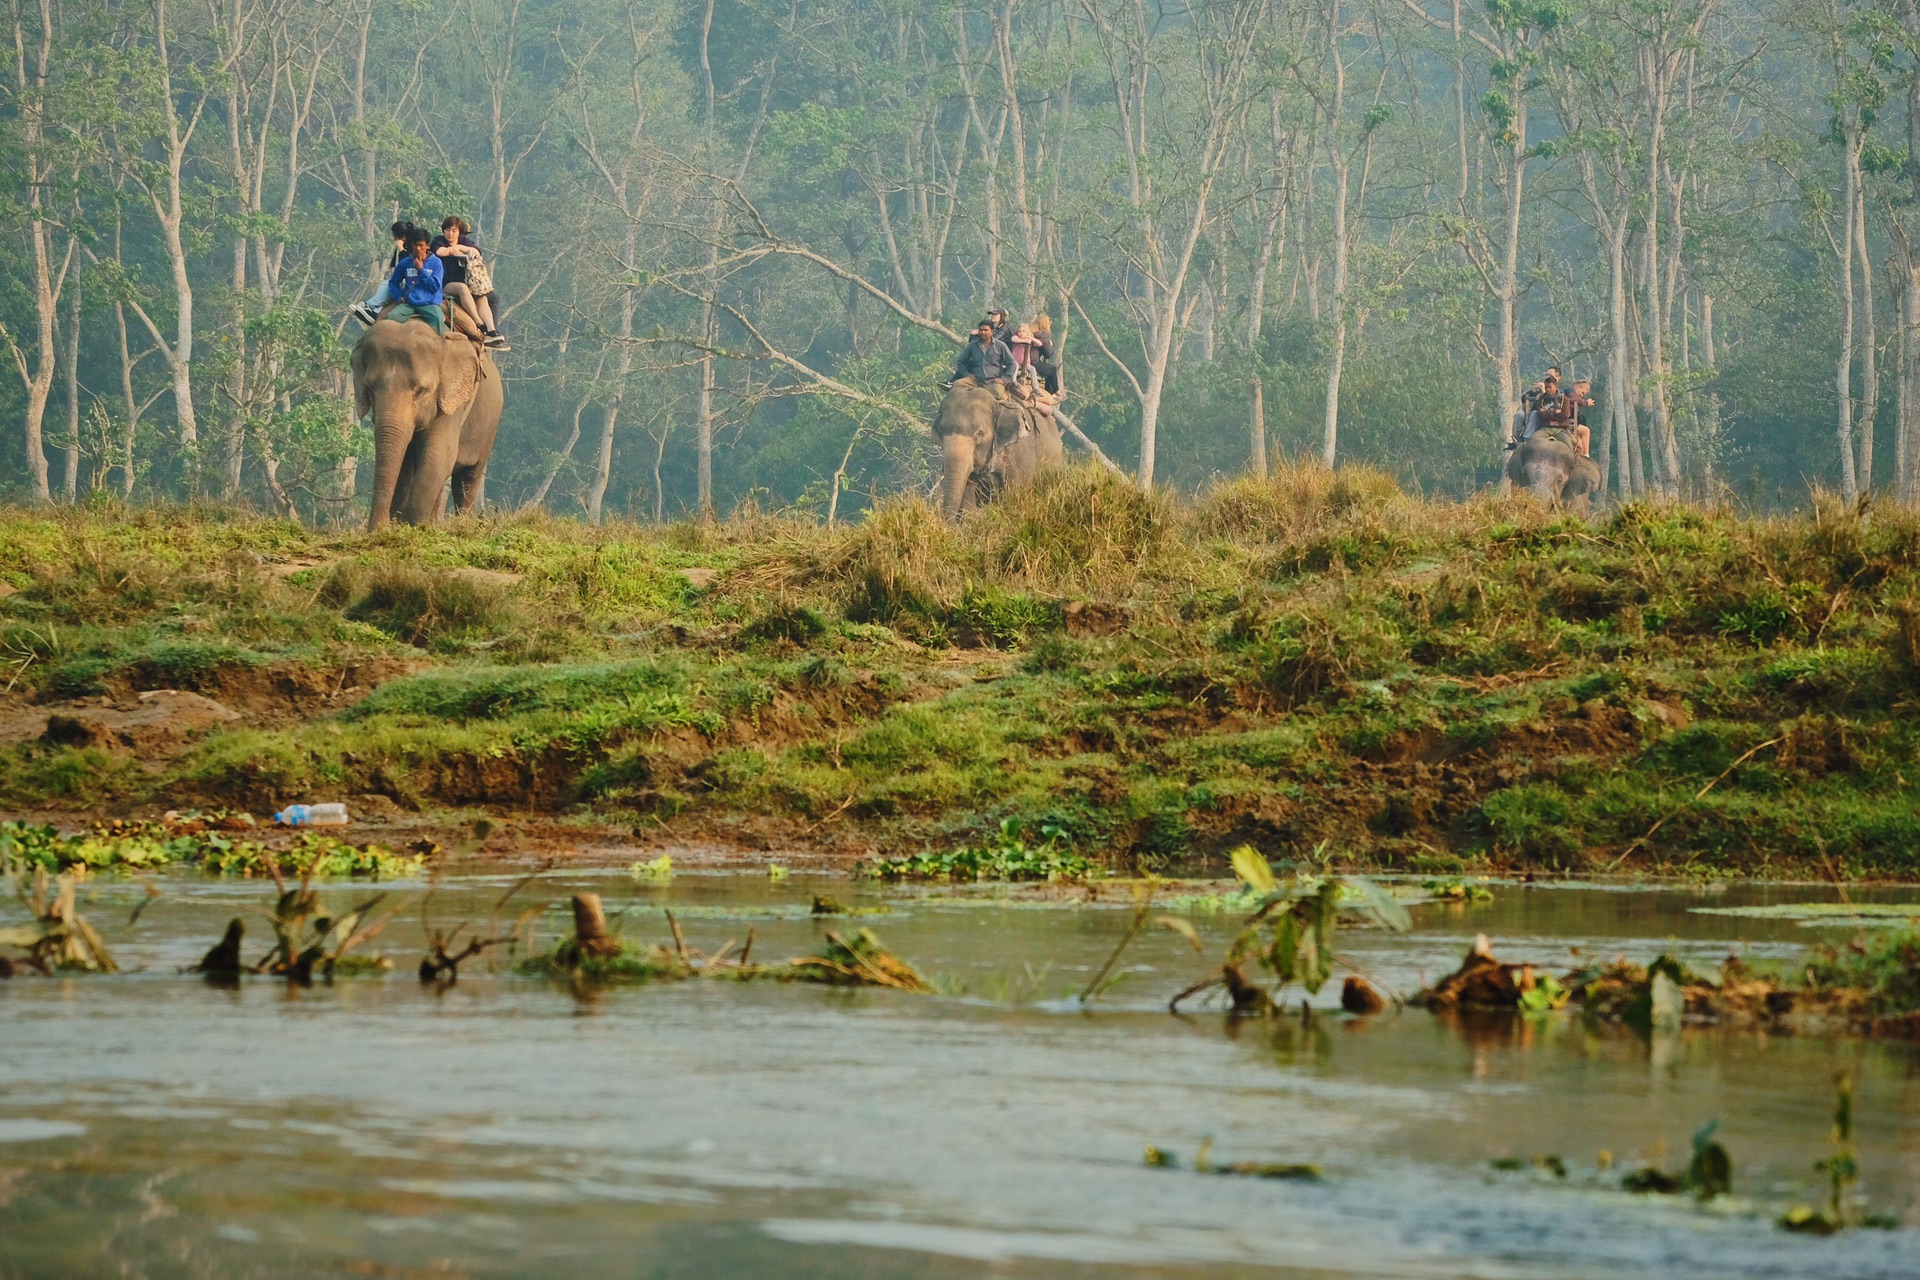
(1045, 356)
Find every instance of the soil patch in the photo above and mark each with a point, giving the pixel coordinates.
(281, 691)
(155, 724)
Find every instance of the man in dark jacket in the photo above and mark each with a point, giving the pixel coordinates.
(986, 359)
(1544, 410)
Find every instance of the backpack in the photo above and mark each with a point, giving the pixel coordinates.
(479, 277)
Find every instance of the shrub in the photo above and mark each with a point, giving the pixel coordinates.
(1005, 619)
(422, 607)
(1534, 820)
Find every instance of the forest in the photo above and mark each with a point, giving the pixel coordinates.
(737, 243)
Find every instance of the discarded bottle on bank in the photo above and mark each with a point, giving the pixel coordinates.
(312, 815)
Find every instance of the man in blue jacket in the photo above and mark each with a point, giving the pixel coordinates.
(420, 284)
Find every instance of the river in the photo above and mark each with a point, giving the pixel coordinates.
(153, 1125)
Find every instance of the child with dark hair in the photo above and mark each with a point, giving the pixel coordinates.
(369, 311)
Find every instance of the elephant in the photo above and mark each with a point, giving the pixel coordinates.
(989, 444)
(1554, 472)
(436, 405)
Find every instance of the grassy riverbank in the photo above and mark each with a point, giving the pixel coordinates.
(1315, 658)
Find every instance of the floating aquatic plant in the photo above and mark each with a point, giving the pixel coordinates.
(1006, 856)
(136, 846)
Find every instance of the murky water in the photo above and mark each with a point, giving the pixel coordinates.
(152, 1125)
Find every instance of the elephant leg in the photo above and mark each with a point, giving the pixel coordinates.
(468, 484)
(425, 499)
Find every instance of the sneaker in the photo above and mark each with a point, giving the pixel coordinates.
(363, 313)
(495, 342)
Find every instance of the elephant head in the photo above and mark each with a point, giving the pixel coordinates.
(420, 389)
(988, 444)
(964, 426)
(1555, 472)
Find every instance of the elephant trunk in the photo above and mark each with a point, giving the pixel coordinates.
(392, 434)
(957, 452)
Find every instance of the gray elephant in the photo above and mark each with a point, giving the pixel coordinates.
(989, 444)
(1553, 471)
(436, 405)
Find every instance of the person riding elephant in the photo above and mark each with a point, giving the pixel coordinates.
(1553, 471)
(1582, 433)
(990, 443)
(986, 360)
(436, 404)
(1046, 354)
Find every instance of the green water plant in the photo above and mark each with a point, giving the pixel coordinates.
(1709, 1173)
(1291, 931)
(1841, 1170)
(1006, 855)
(142, 846)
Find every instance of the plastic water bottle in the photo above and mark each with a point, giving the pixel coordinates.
(312, 815)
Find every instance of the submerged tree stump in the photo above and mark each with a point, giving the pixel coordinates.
(590, 936)
(223, 960)
(1357, 997)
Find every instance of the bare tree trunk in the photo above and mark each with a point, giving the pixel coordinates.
(602, 463)
(659, 494)
(1509, 292)
(709, 329)
(1869, 349)
(1843, 366)
(70, 476)
(129, 401)
(703, 443)
(32, 53)
(560, 459)
(1666, 446)
(1257, 452)
(1906, 436)
(1342, 172)
(1621, 372)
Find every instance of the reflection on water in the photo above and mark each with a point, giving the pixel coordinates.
(153, 1125)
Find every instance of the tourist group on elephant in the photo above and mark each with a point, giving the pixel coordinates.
(1551, 445)
(996, 425)
(435, 397)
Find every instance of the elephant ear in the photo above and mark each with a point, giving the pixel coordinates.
(1009, 423)
(459, 375)
(362, 393)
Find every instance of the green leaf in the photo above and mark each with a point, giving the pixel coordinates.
(1252, 868)
(1380, 906)
(1182, 928)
